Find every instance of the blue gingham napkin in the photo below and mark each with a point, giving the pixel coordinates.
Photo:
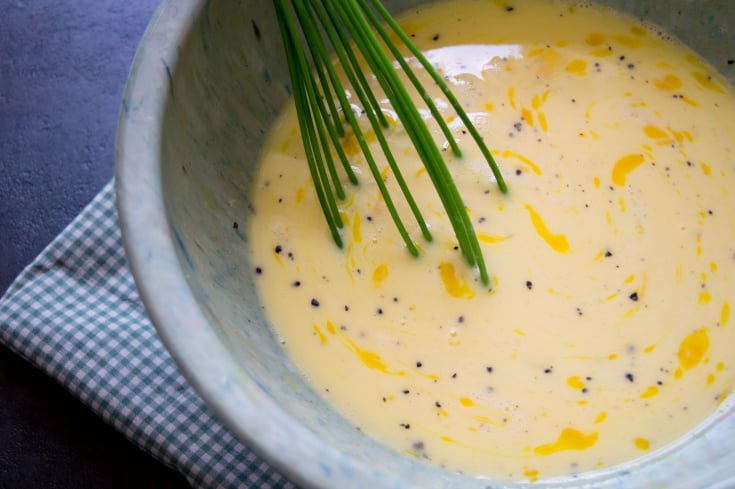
(75, 314)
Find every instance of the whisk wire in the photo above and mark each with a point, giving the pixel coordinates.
(348, 60)
(395, 169)
(331, 118)
(388, 19)
(343, 22)
(299, 69)
(359, 136)
(400, 58)
(414, 126)
(462, 224)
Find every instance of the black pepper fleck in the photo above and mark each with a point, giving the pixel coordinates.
(529, 284)
(256, 30)
(634, 296)
(435, 38)
(259, 270)
(235, 225)
(296, 283)
(629, 376)
(315, 303)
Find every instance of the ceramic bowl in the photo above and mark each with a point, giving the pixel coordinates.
(208, 80)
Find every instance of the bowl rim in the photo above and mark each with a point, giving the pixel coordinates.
(246, 409)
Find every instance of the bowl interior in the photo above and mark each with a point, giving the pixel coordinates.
(208, 82)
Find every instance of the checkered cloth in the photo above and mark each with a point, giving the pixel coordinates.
(75, 314)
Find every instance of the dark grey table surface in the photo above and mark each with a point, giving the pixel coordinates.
(63, 65)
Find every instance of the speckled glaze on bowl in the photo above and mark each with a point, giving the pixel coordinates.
(207, 82)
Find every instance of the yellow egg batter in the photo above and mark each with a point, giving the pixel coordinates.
(606, 333)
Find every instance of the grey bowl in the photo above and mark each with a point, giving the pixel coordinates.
(207, 82)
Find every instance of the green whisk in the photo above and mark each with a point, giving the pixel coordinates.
(344, 28)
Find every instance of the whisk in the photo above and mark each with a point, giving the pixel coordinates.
(335, 26)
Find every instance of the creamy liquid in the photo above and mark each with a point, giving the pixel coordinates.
(606, 333)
